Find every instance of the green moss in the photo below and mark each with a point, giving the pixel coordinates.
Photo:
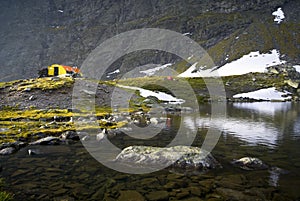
(9, 84)
(263, 36)
(5, 196)
(27, 123)
(45, 83)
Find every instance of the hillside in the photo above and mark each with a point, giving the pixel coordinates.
(36, 33)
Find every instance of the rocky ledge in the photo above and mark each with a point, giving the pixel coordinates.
(177, 157)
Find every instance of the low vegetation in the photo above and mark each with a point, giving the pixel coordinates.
(31, 124)
(4, 196)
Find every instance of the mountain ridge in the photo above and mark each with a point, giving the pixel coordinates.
(35, 34)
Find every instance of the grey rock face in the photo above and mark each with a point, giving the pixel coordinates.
(179, 157)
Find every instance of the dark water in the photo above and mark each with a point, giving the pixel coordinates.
(269, 131)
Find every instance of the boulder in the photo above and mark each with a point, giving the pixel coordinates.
(249, 163)
(69, 135)
(178, 157)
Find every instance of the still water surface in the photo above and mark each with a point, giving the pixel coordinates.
(269, 131)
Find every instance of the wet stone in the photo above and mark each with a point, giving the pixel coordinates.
(207, 183)
(171, 185)
(183, 194)
(234, 195)
(149, 182)
(19, 173)
(195, 191)
(232, 182)
(47, 141)
(99, 194)
(60, 191)
(158, 196)
(193, 199)
(7, 151)
(64, 198)
(250, 163)
(83, 176)
(130, 195)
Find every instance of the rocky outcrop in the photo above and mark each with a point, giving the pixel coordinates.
(178, 157)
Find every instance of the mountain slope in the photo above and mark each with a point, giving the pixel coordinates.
(34, 33)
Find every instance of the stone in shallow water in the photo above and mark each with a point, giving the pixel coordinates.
(47, 141)
(131, 195)
(158, 195)
(179, 157)
(250, 163)
(7, 151)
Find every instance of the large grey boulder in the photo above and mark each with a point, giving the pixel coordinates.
(178, 157)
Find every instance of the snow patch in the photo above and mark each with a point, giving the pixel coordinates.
(252, 62)
(160, 95)
(297, 67)
(113, 72)
(191, 72)
(265, 94)
(279, 15)
(151, 72)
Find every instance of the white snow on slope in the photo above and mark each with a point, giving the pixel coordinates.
(152, 71)
(114, 72)
(264, 94)
(186, 34)
(160, 95)
(252, 62)
(297, 67)
(279, 15)
(191, 72)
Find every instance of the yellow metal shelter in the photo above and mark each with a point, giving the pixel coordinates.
(56, 69)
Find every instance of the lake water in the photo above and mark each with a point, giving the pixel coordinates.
(269, 131)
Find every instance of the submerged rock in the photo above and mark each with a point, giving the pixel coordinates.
(249, 163)
(178, 157)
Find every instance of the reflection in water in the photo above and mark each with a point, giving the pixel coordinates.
(297, 127)
(274, 177)
(69, 170)
(255, 123)
(264, 107)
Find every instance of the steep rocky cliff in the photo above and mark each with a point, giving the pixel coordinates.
(37, 33)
